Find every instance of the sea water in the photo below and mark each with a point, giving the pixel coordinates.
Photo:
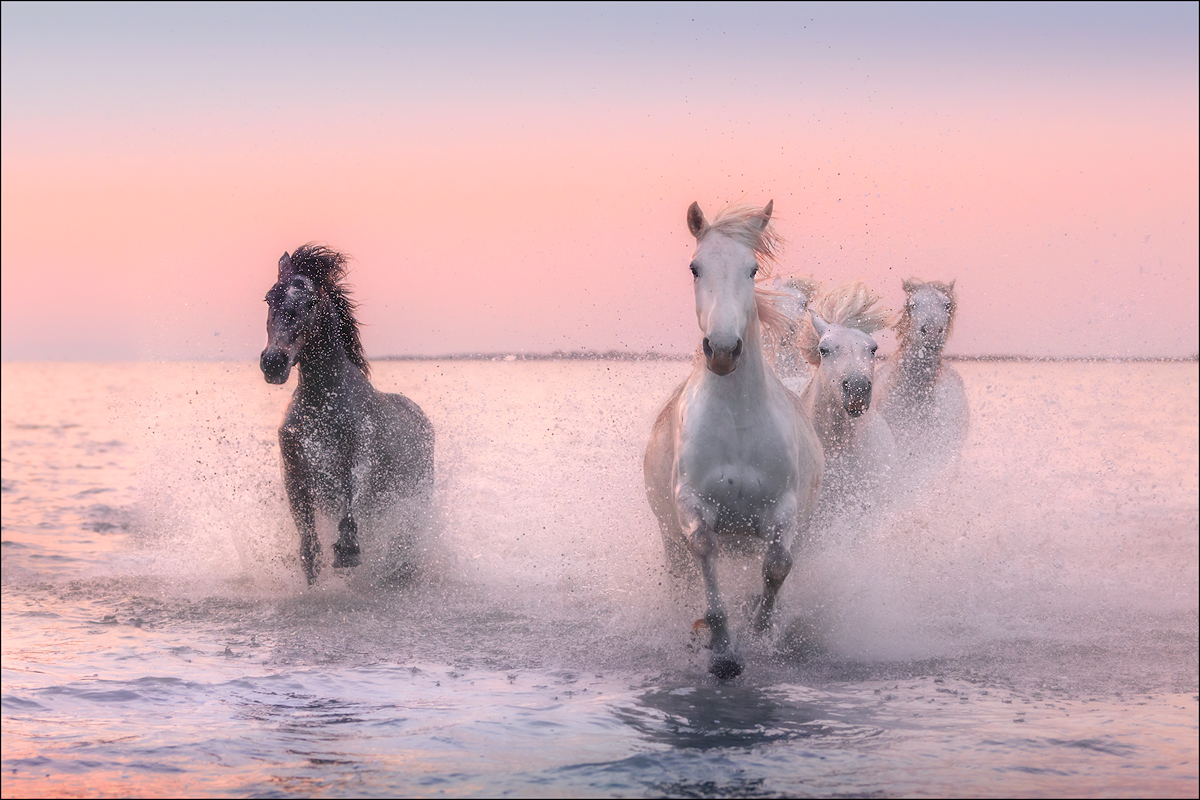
(1024, 625)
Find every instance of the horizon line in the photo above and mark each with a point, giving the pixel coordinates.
(612, 355)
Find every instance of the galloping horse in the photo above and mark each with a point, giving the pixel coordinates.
(731, 454)
(349, 451)
(923, 397)
(859, 448)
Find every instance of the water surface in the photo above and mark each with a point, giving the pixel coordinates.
(1028, 626)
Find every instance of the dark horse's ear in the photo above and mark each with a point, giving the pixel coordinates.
(696, 223)
(766, 218)
(285, 264)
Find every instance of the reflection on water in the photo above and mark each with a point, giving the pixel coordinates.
(1029, 627)
(733, 716)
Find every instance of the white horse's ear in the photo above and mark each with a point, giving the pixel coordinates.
(696, 222)
(766, 218)
(285, 264)
(820, 325)
(952, 284)
(908, 284)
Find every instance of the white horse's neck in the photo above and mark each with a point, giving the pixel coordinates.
(917, 368)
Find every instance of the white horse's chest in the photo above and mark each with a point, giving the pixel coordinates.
(738, 459)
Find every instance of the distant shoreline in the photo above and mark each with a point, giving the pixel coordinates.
(614, 355)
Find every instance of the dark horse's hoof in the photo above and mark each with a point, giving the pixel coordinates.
(724, 668)
(346, 555)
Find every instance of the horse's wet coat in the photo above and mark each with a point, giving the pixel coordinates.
(349, 451)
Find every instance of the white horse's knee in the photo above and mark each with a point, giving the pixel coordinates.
(776, 566)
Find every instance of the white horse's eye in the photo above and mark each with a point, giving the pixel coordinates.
(947, 306)
(824, 351)
(695, 272)
(754, 271)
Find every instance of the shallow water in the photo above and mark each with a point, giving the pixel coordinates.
(1026, 627)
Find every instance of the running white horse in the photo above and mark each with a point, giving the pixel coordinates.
(731, 455)
(923, 397)
(792, 297)
(859, 449)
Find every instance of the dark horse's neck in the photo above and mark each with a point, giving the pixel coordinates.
(323, 363)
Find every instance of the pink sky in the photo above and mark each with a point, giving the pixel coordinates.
(545, 210)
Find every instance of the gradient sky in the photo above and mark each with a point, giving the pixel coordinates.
(515, 177)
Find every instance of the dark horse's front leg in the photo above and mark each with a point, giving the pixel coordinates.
(301, 497)
(346, 551)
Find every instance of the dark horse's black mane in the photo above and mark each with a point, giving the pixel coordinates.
(326, 268)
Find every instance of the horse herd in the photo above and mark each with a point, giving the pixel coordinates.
(785, 423)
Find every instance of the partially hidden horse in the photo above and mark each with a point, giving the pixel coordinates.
(859, 448)
(923, 397)
(349, 451)
(731, 454)
(792, 298)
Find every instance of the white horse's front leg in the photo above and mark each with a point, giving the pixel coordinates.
(699, 522)
(778, 561)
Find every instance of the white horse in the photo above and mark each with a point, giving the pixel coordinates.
(731, 454)
(792, 298)
(923, 397)
(859, 449)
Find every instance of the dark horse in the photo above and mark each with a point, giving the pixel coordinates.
(349, 450)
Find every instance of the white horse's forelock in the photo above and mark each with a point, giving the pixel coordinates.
(851, 305)
(752, 227)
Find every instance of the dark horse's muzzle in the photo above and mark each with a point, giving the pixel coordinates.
(276, 366)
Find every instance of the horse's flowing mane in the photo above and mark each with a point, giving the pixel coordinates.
(326, 268)
(851, 305)
(911, 287)
(751, 226)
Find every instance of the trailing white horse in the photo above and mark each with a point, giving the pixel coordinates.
(731, 455)
(923, 397)
(792, 297)
(859, 449)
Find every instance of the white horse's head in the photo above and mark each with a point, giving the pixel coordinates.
(847, 364)
(928, 314)
(730, 252)
(840, 345)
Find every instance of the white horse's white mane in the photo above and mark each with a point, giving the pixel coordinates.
(851, 305)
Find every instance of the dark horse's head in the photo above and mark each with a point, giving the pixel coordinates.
(309, 310)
